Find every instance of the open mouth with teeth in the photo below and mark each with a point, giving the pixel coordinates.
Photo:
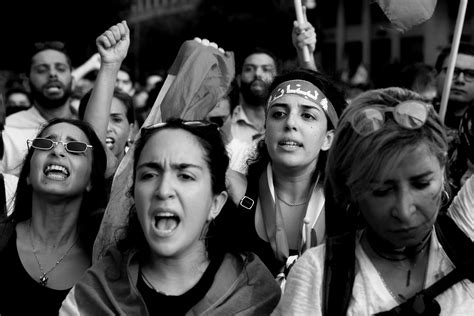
(56, 172)
(289, 144)
(109, 141)
(53, 87)
(166, 222)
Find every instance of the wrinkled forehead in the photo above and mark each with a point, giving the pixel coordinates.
(123, 76)
(259, 59)
(64, 131)
(463, 61)
(49, 56)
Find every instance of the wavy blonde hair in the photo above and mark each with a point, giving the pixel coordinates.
(354, 161)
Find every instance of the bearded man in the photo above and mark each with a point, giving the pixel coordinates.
(50, 79)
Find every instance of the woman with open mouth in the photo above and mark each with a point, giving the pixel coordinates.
(281, 199)
(176, 258)
(46, 243)
(397, 253)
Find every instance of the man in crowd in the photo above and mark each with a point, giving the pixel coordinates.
(50, 79)
(258, 69)
(125, 81)
(461, 95)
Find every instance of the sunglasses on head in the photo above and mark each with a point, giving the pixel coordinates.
(194, 123)
(409, 114)
(74, 147)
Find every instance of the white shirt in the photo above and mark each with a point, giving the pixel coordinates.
(370, 295)
(19, 127)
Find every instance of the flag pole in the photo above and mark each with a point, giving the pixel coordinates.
(301, 19)
(452, 60)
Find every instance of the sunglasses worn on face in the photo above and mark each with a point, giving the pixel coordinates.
(74, 147)
(409, 114)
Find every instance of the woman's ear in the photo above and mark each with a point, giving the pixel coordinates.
(89, 187)
(218, 203)
(28, 180)
(328, 140)
(131, 134)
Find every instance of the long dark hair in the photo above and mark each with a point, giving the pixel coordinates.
(258, 163)
(93, 202)
(218, 237)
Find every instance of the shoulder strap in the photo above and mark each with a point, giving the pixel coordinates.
(6, 230)
(339, 266)
(3, 199)
(249, 201)
(458, 246)
(339, 273)
(460, 249)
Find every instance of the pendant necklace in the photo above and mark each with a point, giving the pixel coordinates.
(43, 280)
(400, 256)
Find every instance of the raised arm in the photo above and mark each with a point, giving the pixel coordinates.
(303, 34)
(113, 47)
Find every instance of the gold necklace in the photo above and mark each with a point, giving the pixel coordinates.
(43, 279)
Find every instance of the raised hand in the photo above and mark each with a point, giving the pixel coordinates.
(304, 35)
(113, 44)
(206, 42)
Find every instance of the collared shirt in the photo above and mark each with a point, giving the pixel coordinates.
(242, 128)
(242, 138)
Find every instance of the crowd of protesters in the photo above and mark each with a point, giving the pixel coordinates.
(223, 189)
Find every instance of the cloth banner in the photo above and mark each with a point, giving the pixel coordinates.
(404, 14)
(201, 76)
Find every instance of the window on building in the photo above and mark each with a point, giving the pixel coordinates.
(411, 49)
(353, 12)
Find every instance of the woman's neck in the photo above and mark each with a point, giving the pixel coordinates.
(175, 276)
(291, 187)
(385, 251)
(54, 224)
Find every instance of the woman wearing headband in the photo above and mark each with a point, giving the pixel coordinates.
(386, 168)
(281, 199)
(46, 243)
(175, 259)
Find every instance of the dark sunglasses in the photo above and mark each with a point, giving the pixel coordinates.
(409, 114)
(74, 147)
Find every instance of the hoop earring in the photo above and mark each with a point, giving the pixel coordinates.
(205, 229)
(445, 198)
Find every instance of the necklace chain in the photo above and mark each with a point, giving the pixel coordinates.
(291, 204)
(403, 254)
(148, 282)
(418, 251)
(43, 279)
